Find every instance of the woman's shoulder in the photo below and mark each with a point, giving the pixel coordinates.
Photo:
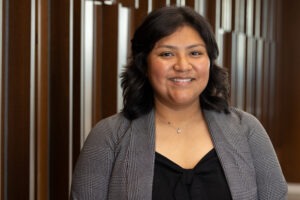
(109, 130)
(245, 118)
(113, 121)
(234, 115)
(236, 119)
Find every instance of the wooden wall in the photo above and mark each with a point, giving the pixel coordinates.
(46, 114)
(290, 89)
(16, 95)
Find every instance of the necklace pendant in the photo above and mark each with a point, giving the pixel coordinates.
(178, 130)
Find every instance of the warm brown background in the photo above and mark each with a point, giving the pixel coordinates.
(40, 103)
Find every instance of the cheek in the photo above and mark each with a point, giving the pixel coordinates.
(155, 70)
(204, 68)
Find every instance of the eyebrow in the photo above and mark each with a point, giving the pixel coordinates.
(174, 47)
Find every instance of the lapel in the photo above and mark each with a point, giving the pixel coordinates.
(141, 157)
(233, 150)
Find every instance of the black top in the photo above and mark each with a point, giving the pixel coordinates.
(206, 181)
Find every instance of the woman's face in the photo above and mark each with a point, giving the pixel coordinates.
(178, 68)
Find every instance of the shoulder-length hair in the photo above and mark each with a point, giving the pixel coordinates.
(138, 98)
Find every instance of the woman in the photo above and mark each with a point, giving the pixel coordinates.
(177, 137)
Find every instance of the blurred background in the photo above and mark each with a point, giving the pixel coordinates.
(60, 62)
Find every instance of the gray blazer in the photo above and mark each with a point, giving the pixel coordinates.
(117, 160)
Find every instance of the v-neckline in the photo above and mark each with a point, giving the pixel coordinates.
(166, 161)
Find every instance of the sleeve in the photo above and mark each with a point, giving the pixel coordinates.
(93, 168)
(271, 184)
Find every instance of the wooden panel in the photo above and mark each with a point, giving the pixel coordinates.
(110, 63)
(139, 14)
(17, 99)
(211, 12)
(241, 70)
(278, 83)
(250, 17)
(258, 79)
(265, 19)
(76, 79)
(250, 85)
(233, 71)
(218, 18)
(127, 3)
(240, 16)
(233, 15)
(97, 71)
(272, 108)
(4, 47)
(227, 50)
(271, 23)
(258, 18)
(265, 87)
(173, 2)
(190, 3)
(158, 4)
(42, 99)
(290, 98)
(59, 99)
(226, 15)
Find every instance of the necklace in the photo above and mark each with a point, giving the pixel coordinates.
(177, 129)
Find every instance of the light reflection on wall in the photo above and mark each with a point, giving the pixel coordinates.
(87, 67)
(123, 38)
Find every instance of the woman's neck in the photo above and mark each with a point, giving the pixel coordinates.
(178, 115)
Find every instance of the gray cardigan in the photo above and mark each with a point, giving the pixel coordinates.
(117, 160)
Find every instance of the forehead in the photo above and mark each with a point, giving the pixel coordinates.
(182, 35)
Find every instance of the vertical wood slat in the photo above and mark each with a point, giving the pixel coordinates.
(290, 94)
(259, 79)
(265, 19)
(258, 19)
(42, 112)
(97, 68)
(158, 4)
(59, 99)
(18, 100)
(173, 2)
(271, 115)
(265, 81)
(211, 13)
(76, 80)
(190, 3)
(278, 137)
(241, 70)
(218, 16)
(249, 17)
(250, 77)
(3, 35)
(110, 63)
(226, 15)
(240, 16)
(127, 3)
(139, 14)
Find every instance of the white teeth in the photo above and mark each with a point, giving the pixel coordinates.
(182, 80)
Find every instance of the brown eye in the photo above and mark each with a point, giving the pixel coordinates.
(166, 54)
(196, 53)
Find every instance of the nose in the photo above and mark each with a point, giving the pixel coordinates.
(182, 64)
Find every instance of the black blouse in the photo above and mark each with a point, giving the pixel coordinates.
(206, 181)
